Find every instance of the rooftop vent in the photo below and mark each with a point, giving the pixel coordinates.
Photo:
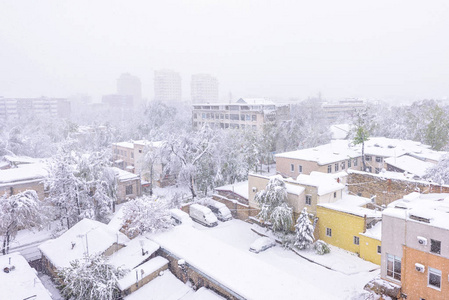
(420, 219)
(391, 146)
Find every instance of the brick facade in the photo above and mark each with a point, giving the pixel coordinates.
(388, 190)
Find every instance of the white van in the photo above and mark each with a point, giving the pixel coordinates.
(203, 215)
(220, 210)
(179, 217)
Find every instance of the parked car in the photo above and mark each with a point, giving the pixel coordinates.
(203, 215)
(179, 217)
(220, 210)
(262, 244)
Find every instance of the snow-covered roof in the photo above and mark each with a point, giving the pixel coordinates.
(410, 164)
(352, 205)
(431, 209)
(128, 145)
(25, 172)
(255, 101)
(324, 182)
(22, 282)
(156, 144)
(21, 159)
(163, 287)
(123, 175)
(240, 188)
(229, 266)
(340, 131)
(338, 150)
(294, 189)
(335, 151)
(131, 256)
(374, 232)
(87, 235)
(149, 267)
(385, 147)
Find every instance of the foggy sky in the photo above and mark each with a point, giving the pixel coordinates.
(393, 50)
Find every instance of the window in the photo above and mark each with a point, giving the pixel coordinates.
(369, 169)
(355, 162)
(299, 168)
(242, 117)
(292, 167)
(435, 246)
(234, 117)
(329, 169)
(349, 163)
(227, 117)
(254, 117)
(356, 240)
(308, 199)
(377, 170)
(194, 116)
(367, 158)
(129, 189)
(335, 194)
(248, 117)
(336, 167)
(343, 165)
(204, 115)
(328, 231)
(379, 159)
(132, 154)
(434, 278)
(394, 267)
(379, 249)
(221, 116)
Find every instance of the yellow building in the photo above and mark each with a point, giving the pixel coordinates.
(344, 224)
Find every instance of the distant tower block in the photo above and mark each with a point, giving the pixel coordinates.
(204, 88)
(129, 85)
(167, 86)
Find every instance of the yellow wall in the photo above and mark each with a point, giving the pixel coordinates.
(344, 227)
(368, 249)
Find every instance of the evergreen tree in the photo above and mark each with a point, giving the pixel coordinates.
(304, 230)
(273, 205)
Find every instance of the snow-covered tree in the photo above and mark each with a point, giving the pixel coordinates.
(20, 211)
(80, 185)
(281, 218)
(185, 153)
(90, 278)
(146, 214)
(362, 130)
(440, 172)
(273, 205)
(304, 230)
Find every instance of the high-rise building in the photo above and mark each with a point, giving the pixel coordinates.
(129, 85)
(167, 86)
(204, 88)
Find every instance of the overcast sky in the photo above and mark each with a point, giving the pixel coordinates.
(392, 50)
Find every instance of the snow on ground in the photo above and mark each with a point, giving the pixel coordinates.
(346, 281)
(50, 286)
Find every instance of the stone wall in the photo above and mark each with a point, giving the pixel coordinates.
(388, 190)
(187, 273)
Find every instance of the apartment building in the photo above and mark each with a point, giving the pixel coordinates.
(167, 87)
(245, 113)
(204, 88)
(341, 155)
(13, 108)
(415, 245)
(343, 110)
(130, 156)
(307, 191)
(25, 177)
(129, 85)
